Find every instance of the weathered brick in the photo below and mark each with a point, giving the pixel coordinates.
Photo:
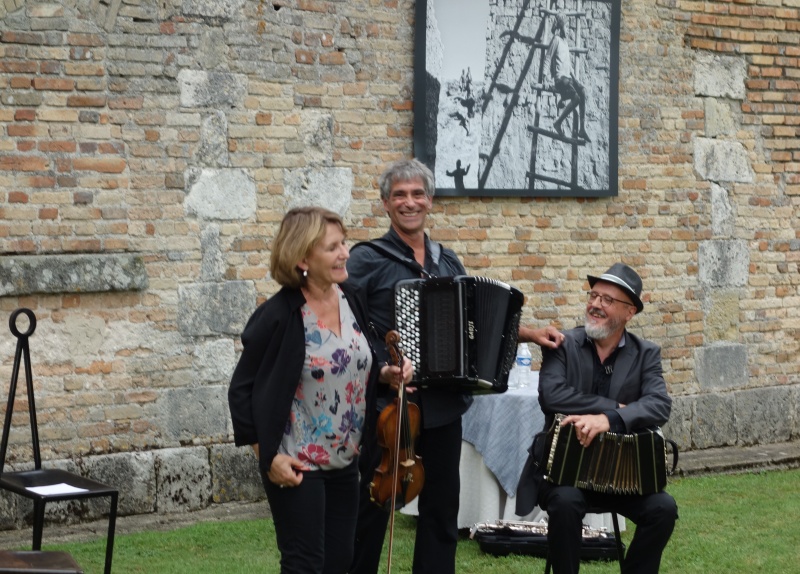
(85, 40)
(23, 163)
(83, 69)
(82, 197)
(332, 58)
(89, 117)
(17, 197)
(57, 146)
(86, 101)
(24, 131)
(129, 103)
(24, 115)
(21, 83)
(18, 67)
(11, 37)
(102, 165)
(58, 84)
(57, 115)
(304, 56)
(50, 67)
(37, 181)
(250, 244)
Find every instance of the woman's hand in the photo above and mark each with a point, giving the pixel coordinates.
(286, 471)
(395, 376)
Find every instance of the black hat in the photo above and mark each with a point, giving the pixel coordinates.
(624, 277)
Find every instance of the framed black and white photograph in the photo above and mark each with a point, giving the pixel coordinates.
(518, 97)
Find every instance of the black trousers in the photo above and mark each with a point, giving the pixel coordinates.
(437, 524)
(315, 522)
(653, 514)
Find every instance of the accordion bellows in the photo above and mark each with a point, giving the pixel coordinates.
(613, 463)
(459, 332)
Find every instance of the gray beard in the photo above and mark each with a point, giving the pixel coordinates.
(598, 333)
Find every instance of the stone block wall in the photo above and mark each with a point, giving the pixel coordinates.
(150, 148)
(171, 480)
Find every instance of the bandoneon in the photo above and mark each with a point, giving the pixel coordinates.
(459, 332)
(613, 463)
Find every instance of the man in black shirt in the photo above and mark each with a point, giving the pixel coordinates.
(407, 190)
(605, 379)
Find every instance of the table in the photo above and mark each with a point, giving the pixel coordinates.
(501, 428)
(497, 431)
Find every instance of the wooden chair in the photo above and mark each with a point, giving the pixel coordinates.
(60, 484)
(617, 538)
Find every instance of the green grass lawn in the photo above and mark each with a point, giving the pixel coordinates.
(728, 524)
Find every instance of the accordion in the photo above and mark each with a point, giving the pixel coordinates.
(613, 463)
(459, 332)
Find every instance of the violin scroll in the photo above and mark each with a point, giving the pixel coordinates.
(393, 346)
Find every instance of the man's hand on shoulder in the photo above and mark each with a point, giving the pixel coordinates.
(548, 337)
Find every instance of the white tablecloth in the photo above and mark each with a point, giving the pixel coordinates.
(501, 427)
(497, 431)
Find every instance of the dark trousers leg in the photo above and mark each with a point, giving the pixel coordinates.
(315, 522)
(566, 507)
(437, 525)
(372, 520)
(654, 516)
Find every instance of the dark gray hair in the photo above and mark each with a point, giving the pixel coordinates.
(406, 170)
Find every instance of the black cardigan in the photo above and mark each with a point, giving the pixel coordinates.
(266, 377)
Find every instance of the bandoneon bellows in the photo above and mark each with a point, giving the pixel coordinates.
(613, 463)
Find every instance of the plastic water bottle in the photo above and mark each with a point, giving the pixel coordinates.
(523, 366)
(519, 375)
(513, 377)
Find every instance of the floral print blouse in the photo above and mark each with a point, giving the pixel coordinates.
(327, 416)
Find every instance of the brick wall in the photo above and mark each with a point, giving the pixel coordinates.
(179, 132)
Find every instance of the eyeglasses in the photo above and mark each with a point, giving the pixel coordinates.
(605, 300)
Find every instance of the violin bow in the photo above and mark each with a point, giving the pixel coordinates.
(393, 345)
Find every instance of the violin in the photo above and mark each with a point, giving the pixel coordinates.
(400, 476)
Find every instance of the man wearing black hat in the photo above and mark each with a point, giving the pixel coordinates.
(604, 379)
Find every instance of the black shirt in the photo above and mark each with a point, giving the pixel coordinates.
(601, 378)
(377, 275)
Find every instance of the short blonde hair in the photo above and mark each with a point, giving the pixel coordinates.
(301, 229)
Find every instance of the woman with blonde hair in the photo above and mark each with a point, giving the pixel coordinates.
(303, 393)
